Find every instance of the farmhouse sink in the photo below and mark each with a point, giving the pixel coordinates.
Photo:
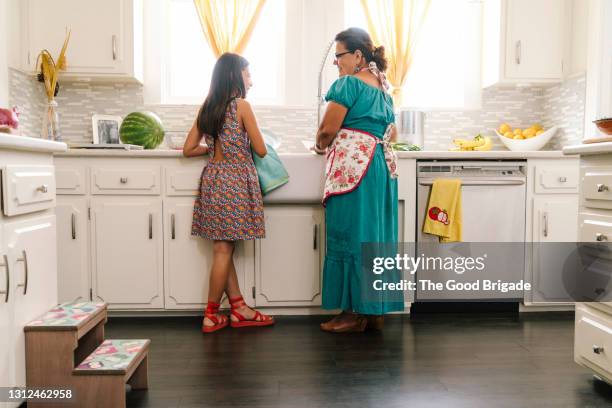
(305, 185)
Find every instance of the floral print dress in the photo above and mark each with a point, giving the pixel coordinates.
(229, 206)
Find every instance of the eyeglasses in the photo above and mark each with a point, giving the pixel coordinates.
(341, 54)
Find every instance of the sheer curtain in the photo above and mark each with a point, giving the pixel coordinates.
(228, 24)
(397, 25)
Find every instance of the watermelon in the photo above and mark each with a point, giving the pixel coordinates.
(143, 129)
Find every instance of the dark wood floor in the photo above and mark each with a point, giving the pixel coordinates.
(428, 360)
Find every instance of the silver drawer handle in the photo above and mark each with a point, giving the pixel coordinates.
(114, 47)
(24, 258)
(602, 187)
(597, 349)
(562, 179)
(601, 237)
(123, 180)
(43, 189)
(150, 226)
(7, 279)
(173, 226)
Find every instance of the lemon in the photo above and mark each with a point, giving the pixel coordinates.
(529, 133)
(504, 127)
(537, 126)
(518, 131)
(539, 132)
(518, 137)
(509, 134)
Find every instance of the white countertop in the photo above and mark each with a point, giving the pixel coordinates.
(31, 144)
(589, 148)
(426, 154)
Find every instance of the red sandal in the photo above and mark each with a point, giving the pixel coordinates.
(211, 312)
(258, 320)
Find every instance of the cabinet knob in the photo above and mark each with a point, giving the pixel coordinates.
(597, 349)
(602, 187)
(601, 237)
(562, 179)
(123, 180)
(43, 189)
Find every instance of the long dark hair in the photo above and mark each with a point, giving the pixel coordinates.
(357, 39)
(226, 84)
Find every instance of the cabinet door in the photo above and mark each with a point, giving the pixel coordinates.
(534, 30)
(127, 252)
(188, 259)
(98, 34)
(72, 249)
(289, 261)
(555, 232)
(32, 258)
(6, 313)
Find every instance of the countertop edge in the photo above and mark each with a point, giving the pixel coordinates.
(31, 144)
(496, 154)
(589, 148)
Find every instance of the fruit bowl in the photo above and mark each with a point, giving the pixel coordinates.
(528, 145)
(605, 125)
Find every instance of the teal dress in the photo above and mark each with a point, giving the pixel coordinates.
(367, 214)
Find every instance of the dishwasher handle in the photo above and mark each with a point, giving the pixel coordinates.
(480, 182)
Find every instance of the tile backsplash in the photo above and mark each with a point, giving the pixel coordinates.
(561, 105)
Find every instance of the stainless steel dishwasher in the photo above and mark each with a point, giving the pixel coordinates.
(493, 211)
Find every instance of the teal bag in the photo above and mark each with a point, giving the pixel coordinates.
(271, 171)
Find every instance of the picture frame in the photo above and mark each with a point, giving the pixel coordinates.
(106, 129)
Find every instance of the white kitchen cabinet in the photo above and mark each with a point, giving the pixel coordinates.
(6, 316)
(31, 249)
(188, 259)
(552, 229)
(127, 252)
(289, 262)
(106, 37)
(73, 249)
(554, 237)
(523, 41)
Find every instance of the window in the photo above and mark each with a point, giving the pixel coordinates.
(188, 61)
(445, 72)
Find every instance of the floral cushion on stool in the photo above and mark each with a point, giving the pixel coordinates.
(67, 314)
(113, 355)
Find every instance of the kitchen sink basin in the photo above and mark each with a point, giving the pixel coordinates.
(306, 171)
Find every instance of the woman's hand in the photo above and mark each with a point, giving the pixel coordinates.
(331, 124)
(192, 146)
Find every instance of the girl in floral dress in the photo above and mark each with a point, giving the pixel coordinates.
(229, 206)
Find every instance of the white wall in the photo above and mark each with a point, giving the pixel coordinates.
(4, 35)
(578, 40)
(599, 65)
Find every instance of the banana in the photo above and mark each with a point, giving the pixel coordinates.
(488, 143)
(469, 143)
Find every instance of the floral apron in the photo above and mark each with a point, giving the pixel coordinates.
(349, 157)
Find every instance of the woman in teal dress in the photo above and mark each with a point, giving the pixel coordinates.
(368, 213)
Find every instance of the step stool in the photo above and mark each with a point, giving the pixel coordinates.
(65, 348)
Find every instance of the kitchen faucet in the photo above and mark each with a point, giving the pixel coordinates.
(320, 98)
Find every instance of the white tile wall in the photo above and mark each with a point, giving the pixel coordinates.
(562, 104)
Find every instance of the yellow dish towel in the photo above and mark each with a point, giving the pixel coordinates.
(443, 216)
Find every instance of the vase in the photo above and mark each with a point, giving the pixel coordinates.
(50, 124)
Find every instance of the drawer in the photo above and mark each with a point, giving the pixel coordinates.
(557, 179)
(597, 187)
(141, 180)
(593, 337)
(182, 181)
(71, 179)
(593, 227)
(27, 189)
